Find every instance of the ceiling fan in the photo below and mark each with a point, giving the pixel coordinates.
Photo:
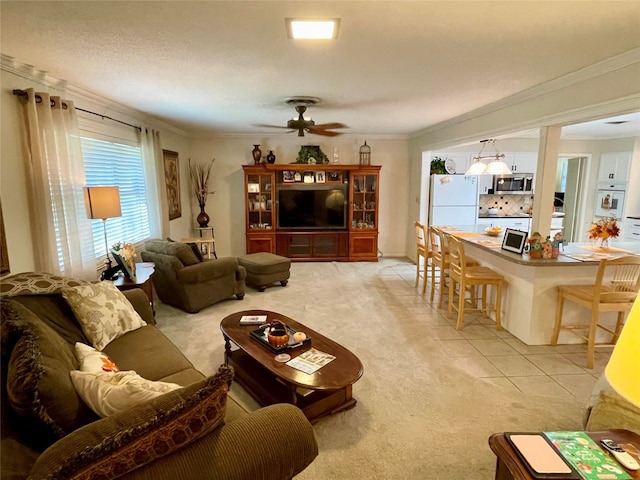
(307, 125)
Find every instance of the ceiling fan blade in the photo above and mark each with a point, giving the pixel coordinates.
(271, 126)
(321, 131)
(331, 125)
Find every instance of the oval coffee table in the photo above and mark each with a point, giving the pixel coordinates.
(324, 392)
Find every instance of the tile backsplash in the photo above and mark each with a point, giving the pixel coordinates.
(506, 204)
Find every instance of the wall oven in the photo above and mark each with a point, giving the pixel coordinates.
(513, 184)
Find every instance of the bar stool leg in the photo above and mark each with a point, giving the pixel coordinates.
(619, 325)
(559, 307)
(460, 306)
(433, 281)
(591, 343)
(499, 305)
(442, 285)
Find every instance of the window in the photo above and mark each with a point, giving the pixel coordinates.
(118, 163)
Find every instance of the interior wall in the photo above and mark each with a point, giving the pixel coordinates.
(13, 152)
(227, 209)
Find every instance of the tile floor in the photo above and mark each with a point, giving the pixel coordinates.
(497, 357)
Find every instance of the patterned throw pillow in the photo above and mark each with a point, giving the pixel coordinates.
(103, 312)
(111, 393)
(92, 360)
(113, 446)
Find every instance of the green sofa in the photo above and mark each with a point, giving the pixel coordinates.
(607, 410)
(46, 427)
(186, 281)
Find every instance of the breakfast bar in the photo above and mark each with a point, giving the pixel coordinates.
(529, 299)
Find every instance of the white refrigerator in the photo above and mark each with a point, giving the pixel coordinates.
(453, 200)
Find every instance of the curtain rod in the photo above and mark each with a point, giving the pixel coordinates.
(22, 93)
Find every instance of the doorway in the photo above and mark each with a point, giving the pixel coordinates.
(569, 194)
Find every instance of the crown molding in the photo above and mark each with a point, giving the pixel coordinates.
(105, 105)
(612, 64)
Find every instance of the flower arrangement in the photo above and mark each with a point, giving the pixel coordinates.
(199, 175)
(125, 255)
(604, 229)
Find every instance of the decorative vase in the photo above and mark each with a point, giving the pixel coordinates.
(257, 154)
(271, 157)
(604, 243)
(202, 218)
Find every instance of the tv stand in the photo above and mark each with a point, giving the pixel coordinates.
(355, 240)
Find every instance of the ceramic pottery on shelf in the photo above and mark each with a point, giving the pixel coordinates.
(257, 154)
(271, 157)
(203, 218)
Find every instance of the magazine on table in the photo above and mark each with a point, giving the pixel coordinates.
(310, 361)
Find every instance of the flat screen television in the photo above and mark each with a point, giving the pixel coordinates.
(312, 207)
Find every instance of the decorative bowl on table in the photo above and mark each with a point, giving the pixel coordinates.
(277, 334)
(493, 231)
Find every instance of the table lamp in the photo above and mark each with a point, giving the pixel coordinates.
(103, 202)
(623, 369)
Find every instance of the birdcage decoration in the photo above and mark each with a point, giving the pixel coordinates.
(365, 154)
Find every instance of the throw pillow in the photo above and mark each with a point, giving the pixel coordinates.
(92, 360)
(126, 441)
(103, 312)
(111, 393)
(196, 251)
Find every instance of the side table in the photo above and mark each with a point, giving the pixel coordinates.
(510, 467)
(144, 271)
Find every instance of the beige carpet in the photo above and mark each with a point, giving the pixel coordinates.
(417, 417)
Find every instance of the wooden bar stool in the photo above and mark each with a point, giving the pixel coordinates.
(616, 288)
(423, 251)
(440, 259)
(465, 275)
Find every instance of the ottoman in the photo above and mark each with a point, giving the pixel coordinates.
(264, 269)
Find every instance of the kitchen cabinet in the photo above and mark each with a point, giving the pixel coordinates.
(516, 223)
(485, 183)
(524, 162)
(461, 161)
(632, 230)
(614, 167)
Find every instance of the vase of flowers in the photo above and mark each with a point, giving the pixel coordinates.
(603, 230)
(199, 175)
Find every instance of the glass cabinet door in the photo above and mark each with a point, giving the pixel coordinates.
(364, 201)
(260, 201)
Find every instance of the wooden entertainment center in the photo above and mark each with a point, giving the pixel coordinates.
(312, 212)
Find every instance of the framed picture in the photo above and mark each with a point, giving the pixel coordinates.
(514, 240)
(288, 176)
(334, 176)
(320, 178)
(131, 275)
(253, 187)
(4, 255)
(172, 183)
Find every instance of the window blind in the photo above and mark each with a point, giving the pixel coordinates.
(111, 163)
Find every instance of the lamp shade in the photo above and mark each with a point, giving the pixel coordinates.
(102, 202)
(498, 167)
(476, 168)
(623, 369)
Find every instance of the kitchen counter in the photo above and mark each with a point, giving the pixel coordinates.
(529, 299)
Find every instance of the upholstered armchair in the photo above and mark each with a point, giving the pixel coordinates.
(190, 283)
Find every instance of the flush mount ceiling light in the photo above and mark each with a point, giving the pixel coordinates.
(496, 165)
(325, 29)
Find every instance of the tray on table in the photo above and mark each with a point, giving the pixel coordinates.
(260, 334)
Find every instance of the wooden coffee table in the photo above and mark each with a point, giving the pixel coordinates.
(509, 466)
(327, 391)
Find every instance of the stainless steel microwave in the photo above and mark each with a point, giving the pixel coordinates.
(513, 184)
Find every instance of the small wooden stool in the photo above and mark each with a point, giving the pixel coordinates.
(264, 269)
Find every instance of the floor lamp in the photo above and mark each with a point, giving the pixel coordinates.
(103, 202)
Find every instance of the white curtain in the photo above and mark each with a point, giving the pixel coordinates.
(61, 231)
(156, 190)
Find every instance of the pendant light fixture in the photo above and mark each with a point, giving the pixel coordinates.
(496, 165)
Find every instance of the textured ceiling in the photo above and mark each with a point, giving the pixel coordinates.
(396, 68)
